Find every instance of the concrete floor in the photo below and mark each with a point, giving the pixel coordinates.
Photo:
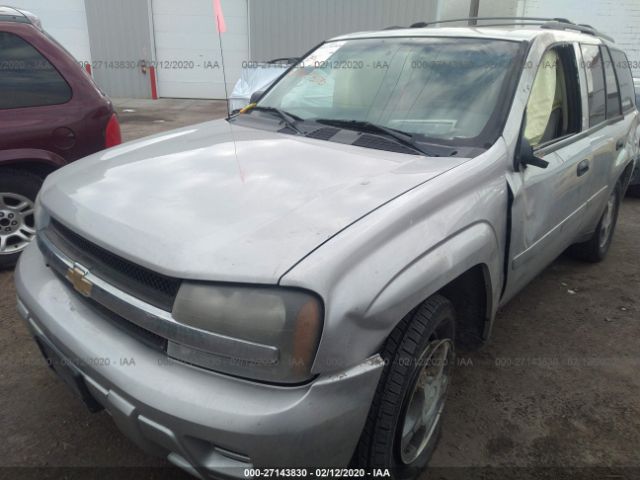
(557, 386)
(140, 118)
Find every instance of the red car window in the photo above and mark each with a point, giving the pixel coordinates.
(27, 79)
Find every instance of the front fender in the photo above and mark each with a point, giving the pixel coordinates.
(376, 271)
(366, 301)
(426, 275)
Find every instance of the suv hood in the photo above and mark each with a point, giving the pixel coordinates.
(228, 203)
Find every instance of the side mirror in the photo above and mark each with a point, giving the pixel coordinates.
(256, 96)
(526, 157)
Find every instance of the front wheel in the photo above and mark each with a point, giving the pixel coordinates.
(18, 191)
(403, 426)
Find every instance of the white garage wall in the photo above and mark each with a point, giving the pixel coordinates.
(619, 19)
(65, 20)
(185, 31)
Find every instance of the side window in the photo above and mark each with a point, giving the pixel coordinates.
(613, 96)
(595, 83)
(27, 79)
(625, 80)
(553, 109)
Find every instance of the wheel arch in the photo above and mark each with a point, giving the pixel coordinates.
(38, 162)
(625, 177)
(471, 295)
(465, 269)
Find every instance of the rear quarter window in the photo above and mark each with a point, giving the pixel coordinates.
(27, 79)
(625, 80)
(613, 94)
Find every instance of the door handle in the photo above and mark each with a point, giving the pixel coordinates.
(583, 167)
(619, 144)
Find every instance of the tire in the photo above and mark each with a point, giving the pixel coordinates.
(17, 188)
(429, 330)
(596, 248)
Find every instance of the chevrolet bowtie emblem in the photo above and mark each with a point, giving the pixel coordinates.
(77, 276)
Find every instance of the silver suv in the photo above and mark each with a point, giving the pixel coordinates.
(287, 287)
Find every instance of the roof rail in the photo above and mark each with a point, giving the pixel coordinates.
(34, 19)
(543, 22)
(588, 29)
(514, 19)
(9, 14)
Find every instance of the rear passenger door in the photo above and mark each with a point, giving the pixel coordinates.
(594, 147)
(607, 126)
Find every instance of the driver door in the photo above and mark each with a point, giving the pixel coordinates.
(549, 204)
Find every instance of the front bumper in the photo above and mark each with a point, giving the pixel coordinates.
(210, 424)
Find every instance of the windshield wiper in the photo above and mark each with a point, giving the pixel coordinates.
(289, 119)
(404, 138)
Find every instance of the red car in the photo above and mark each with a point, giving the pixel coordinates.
(51, 113)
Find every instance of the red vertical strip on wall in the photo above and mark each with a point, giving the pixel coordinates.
(154, 86)
(87, 67)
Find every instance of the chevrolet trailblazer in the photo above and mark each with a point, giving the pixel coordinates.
(292, 282)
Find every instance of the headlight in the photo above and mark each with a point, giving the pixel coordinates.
(265, 333)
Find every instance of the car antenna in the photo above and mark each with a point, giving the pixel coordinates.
(221, 26)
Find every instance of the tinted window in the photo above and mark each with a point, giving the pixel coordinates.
(613, 96)
(595, 83)
(621, 64)
(27, 79)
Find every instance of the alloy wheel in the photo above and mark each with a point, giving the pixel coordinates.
(17, 223)
(606, 225)
(427, 399)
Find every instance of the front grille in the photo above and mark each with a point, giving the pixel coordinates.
(152, 287)
(143, 335)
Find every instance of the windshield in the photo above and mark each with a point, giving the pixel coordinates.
(451, 90)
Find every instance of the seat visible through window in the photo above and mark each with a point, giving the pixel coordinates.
(549, 111)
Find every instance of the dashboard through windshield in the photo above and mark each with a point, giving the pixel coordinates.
(449, 90)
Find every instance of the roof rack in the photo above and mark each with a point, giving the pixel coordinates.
(543, 22)
(583, 28)
(9, 14)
